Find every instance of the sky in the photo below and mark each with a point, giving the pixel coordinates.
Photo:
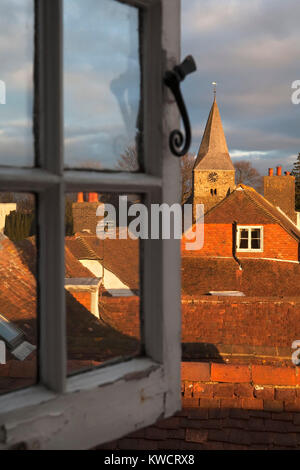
(251, 48)
(101, 81)
(16, 53)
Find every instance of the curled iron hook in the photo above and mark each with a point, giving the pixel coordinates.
(180, 144)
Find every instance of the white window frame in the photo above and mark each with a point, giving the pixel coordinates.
(104, 404)
(239, 228)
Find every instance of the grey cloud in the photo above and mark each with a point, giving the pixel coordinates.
(252, 50)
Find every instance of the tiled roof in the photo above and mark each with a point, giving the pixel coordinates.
(259, 210)
(88, 338)
(276, 214)
(91, 339)
(79, 248)
(213, 152)
(120, 256)
(258, 277)
(18, 285)
(74, 268)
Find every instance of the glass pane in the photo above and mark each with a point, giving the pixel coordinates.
(244, 239)
(18, 294)
(244, 233)
(101, 84)
(255, 233)
(255, 244)
(102, 280)
(244, 243)
(16, 82)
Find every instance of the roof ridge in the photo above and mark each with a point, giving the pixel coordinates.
(89, 249)
(220, 202)
(262, 201)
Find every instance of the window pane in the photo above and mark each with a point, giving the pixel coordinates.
(244, 233)
(243, 243)
(101, 84)
(255, 233)
(255, 244)
(243, 239)
(102, 281)
(18, 296)
(16, 82)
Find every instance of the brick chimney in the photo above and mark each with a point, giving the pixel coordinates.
(84, 212)
(280, 191)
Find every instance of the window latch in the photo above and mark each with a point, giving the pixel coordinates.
(179, 144)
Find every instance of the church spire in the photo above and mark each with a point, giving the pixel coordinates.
(213, 152)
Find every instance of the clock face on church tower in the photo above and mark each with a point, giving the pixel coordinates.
(212, 177)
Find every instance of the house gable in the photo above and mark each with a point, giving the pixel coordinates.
(245, 207)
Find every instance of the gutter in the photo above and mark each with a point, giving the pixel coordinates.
(234, 232)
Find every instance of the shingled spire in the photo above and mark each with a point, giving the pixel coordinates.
(213, 173)
(213, 152)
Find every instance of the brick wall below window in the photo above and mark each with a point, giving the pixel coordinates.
(227, 407)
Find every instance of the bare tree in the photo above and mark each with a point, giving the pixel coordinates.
(246, 174)
(128, 160)
(187, 164)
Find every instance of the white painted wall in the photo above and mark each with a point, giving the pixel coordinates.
(5, 209)
(110, 281)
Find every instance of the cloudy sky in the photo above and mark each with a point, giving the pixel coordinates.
(101, 81)
(16, 52)
(251, 48)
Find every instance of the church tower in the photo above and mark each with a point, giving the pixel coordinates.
(213, 173)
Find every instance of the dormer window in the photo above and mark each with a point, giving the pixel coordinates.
(249, 238)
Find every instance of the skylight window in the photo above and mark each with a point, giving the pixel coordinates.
(10, 333)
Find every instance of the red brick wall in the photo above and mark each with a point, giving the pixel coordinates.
(218, 242)
(84, 298)
(277, 244)
(228, 407)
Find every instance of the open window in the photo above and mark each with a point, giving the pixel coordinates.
(107, 402)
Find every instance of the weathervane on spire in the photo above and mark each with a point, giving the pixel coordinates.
(215, 88)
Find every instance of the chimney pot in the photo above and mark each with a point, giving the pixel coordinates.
(80, 197)
(93, 197)
(271, 171)
(279, 170)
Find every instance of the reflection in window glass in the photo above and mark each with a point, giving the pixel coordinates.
(101, 281)
(18, 322)
(16, 82)
(101, 84)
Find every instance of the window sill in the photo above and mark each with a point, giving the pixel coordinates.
(135, 393)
